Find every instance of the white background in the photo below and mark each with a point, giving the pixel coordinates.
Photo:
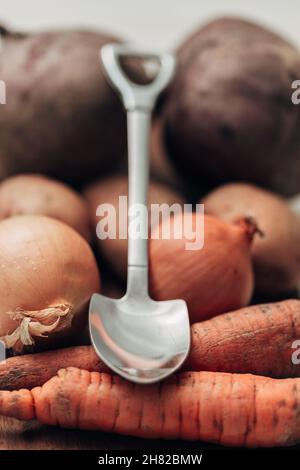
(158, 23)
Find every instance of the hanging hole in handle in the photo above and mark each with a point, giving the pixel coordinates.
(141, 71)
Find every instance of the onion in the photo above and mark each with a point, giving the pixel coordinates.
(108, 191)
(37, 194)
(48, 273)
(276, 255)
(212, 280)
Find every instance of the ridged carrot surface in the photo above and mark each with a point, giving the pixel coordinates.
(257, 339)
(231, 409)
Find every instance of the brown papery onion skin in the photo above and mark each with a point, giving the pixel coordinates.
(212, 280)
(48, 274)
(34, 194)
(114, 250)
(276, 255)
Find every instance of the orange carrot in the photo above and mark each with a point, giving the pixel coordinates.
(230, 409)
(256, 340)
(31, 370)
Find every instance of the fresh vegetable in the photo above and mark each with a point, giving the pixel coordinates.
(31, 370)
(259, 340)
(163, 167)
(240, 410)
(160, 164)
(48, 273)
(39, 195)
(212, 280)
(61, 118)
(245, 341)
(276, 255)
(108, 191)
(228, 112)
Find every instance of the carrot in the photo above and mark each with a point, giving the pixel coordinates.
(230, 409)
(256, 339)
(31, 370)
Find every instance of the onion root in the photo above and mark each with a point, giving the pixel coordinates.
(37, 323)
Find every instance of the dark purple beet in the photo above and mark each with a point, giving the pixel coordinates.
(228, 113)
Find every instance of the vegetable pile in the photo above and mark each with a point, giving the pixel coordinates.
(62, 154)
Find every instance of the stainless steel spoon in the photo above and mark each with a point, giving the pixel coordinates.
(137, 337)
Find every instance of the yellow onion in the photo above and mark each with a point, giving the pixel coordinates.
(114, 250)
(39, 195)
(212, 280)
(276, 255)
(48, 273)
